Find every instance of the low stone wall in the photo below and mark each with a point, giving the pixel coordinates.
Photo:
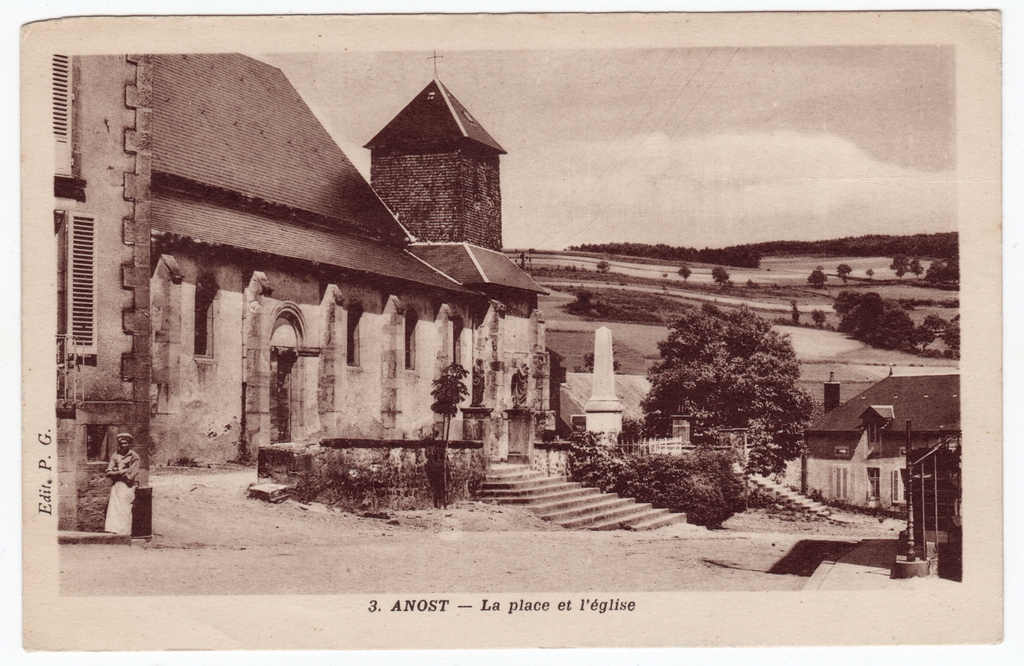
(93, 496)
(550, 458)
(373, 474)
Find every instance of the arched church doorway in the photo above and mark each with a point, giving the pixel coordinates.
(285, 386)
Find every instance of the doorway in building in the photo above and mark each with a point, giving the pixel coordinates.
(285, 387)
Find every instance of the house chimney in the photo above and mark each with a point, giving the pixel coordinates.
(832, 399)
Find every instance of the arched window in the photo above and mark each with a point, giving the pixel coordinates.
(457, 327)
(206, 292)
(411, 319)
(355, 313)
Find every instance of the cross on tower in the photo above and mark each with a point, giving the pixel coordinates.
(434, 58)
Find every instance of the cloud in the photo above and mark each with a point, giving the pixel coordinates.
(717, 190)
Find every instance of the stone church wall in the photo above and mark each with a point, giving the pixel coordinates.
(197, 400)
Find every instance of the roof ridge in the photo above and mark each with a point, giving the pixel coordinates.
(451, 107)
(479, 268)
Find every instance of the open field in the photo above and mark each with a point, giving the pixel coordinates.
(855, 364)
(783, 271)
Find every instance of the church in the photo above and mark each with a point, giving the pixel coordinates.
(227, 280)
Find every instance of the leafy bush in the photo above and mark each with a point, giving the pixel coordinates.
(357, 483)
(702, 484)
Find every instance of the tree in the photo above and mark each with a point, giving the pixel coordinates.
(870, 273)
(944, 271)
(952, 337)
(720, 275)
(879, 322)
(449, 389)
(603, 266)
(900, 264)
(730, 369)
(795, 313)
(685, 271)
(935, 324)
(915, 267)
(817, 277)
(843, 271)
(819, 318)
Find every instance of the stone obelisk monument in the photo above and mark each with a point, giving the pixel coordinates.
(604, 410)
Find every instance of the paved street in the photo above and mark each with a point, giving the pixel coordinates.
(212, 540)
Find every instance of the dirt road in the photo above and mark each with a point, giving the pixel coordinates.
(213, 540)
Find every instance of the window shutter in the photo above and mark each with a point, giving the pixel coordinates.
(62, 113)
(897, 483)
(83, 281)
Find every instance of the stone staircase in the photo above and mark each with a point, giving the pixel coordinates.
(792, 498)
(570, 504)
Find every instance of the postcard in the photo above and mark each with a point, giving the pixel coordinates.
(512, 331)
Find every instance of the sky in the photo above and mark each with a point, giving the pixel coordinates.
(702, 147)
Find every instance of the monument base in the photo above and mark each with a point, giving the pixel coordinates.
(604, 422)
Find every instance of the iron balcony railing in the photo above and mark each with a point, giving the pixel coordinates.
(70, 359)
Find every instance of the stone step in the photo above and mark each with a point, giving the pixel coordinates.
(791, 497)
(506, 468)
(659, 518)
(606, 503)
(626, 520)
(544, 498)
(93, 538)
(521, 484)
(570, 505)
(557, 505)
(535, 491)
(604, 517)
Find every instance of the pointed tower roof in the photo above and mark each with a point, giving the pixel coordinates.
(433, 116)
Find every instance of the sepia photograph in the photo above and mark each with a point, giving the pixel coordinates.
(560, 331)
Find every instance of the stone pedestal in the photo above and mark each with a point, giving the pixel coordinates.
(904, 568)
(520, 435)
(681, 428)
(475, 423)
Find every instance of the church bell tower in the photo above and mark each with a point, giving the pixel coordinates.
(437, 169)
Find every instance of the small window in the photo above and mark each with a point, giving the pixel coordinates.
(96, 445)
(457, 328)
(874, 434)
(62, 114)
(874, 483)
(83, 282)
(842, 451)
(206, 292)
(411, 320)
(355, 314)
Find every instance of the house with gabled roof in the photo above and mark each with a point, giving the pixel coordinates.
(228, 280)
(857, 449)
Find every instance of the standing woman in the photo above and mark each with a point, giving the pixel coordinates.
(122, 471)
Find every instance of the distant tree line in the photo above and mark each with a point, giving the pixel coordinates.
(730, 256)
(940, 245)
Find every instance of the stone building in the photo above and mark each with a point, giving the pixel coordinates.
(228, 280)
(857, 449)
